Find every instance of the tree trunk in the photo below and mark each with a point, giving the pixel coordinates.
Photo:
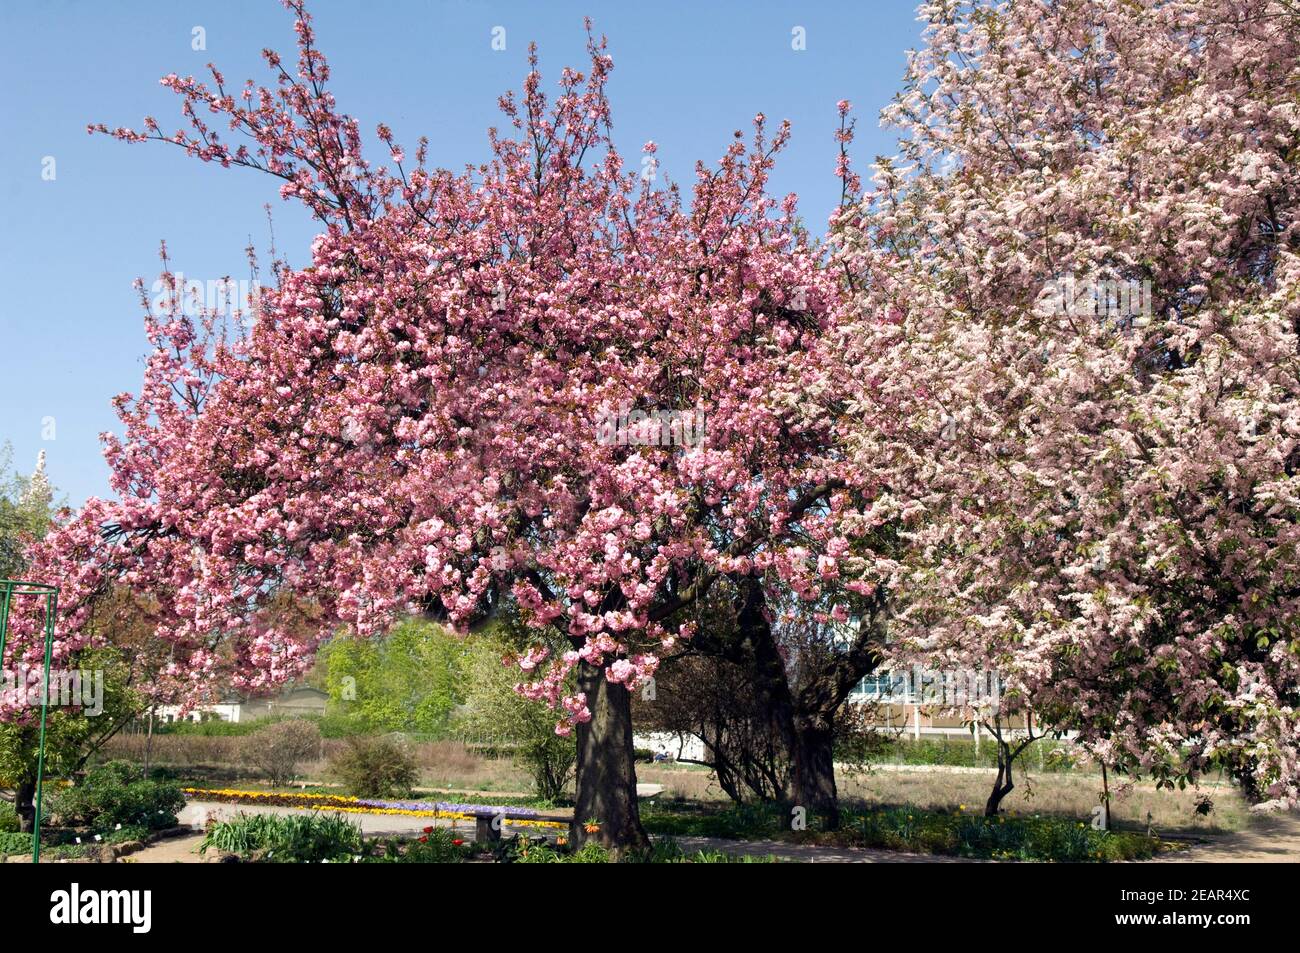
(801, 717)
(148, 744)
(24, 806)
(1105, 797)
(813, 770)
(759, 649)
(1004, 783)
(606, 771)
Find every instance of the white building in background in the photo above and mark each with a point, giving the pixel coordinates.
(301, 701)
(670, 746)
(919, 702)
(226, 711)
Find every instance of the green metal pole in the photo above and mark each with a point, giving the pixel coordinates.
(51, 605)
(4, 621)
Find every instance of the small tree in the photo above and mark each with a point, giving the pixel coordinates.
(277, 749)
(494, 708)
(714, 700)
(1009, 747)
(27, 512)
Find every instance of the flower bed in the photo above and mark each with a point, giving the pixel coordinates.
(518, 816)
(955, 833)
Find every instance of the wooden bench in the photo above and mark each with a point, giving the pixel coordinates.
(487, 830)
(487, 827)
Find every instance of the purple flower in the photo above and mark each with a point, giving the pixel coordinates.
(451, 808)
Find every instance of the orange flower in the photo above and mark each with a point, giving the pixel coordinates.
(591, 827)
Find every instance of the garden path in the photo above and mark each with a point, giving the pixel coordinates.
(1270, 838)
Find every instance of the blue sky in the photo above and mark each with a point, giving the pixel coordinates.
(686, 75)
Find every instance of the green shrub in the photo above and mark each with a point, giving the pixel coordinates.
(1046, 754)
(342, 725)
(117, 792)
(128, 832)
(214, 728)
(665, 850)
(8, 818)
(287, 838)
(375, 767)
(747, 821)
(12, 842)
(525, 850)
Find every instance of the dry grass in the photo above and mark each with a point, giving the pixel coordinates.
(442, 764)
(682, 781)
(183, 751)
(1067, 794)
(451, 765)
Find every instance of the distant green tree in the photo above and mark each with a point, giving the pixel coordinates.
(409, 680)
(26, 511)
(495, 712)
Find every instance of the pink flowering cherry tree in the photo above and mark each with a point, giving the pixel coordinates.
(486, 387)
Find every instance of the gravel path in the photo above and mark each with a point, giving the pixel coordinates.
(196, 814)
(1270, 838)
(173, 850)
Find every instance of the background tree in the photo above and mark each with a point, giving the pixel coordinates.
(27, 512)
(411, 679)
(713, 700)
(1101, 496)
(495, 710)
